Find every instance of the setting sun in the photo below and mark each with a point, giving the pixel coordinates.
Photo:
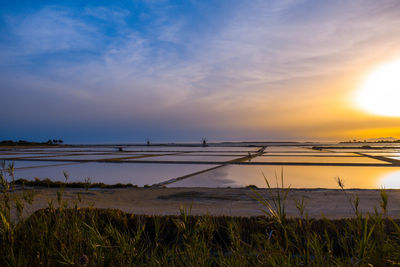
(380, 92)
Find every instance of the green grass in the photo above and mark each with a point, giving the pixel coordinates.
(113, 238)
(72, 236)
(58, 184)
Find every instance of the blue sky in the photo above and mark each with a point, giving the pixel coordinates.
(128, 71)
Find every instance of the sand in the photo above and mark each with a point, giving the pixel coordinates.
(329, 203)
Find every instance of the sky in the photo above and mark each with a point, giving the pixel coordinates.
(128, 71)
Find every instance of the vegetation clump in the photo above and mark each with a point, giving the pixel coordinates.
(29, 143)
(58, 184)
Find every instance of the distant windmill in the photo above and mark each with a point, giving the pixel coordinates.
(148, 142)
(204, 141)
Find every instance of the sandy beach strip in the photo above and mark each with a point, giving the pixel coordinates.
(319, 203)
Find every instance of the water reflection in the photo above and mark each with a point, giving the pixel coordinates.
(232, 175)
(216, 178)
(297, 176)
(111, 173)
(317, 159)
(188, 158)
(391, 180)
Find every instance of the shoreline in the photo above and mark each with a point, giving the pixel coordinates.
(319, 203)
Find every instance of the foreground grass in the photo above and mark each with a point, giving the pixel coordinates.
(112, 238)
(94, 237)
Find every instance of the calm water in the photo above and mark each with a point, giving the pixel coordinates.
(124, 169)
(24, 155)
(308, 154)
(189, 158)
(89, 157)
(34, 164)
(316, 159)
(197, 149)
(111, 173)
(385, 154)
(288, 149)
(296, 177)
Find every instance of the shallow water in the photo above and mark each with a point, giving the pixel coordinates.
(366, 151)
(312, 153)
(296, 177)
(71, 149)
(314, 159)
(89, 157)
(28, 164)
(189, 158)
(221, 153)
(24, 155)
(384, 154)
(231, 175)
(193, 149)
(111, 173)
(396, 158)
(289, 149)
(127, 153)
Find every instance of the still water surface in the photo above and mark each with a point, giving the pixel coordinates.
(128, 171)
(296, 177)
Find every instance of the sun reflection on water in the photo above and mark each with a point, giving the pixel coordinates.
(391, 180)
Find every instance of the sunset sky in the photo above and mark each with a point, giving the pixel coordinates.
(128, 71)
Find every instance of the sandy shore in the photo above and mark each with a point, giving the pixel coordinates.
(330, 203)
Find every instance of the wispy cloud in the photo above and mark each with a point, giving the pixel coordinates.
(51, 30)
